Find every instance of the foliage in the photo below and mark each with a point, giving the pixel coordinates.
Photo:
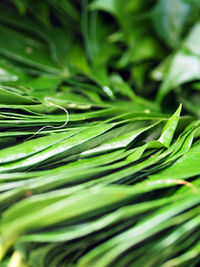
(100, 133)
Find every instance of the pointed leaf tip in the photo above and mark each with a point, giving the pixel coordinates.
(169, 128)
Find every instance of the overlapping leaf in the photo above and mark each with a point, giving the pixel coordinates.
(92, 173)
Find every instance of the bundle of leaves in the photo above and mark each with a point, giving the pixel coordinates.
(100, 133)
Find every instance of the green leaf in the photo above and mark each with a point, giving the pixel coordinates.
(186, 166)
(169, 129)
(185, 65)
(9, 97)
(169, 18)
(26, 51)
